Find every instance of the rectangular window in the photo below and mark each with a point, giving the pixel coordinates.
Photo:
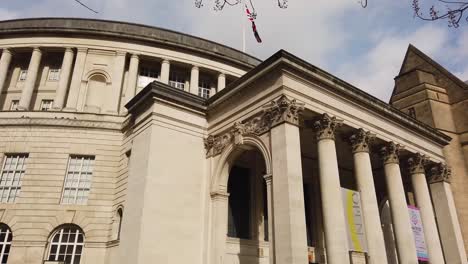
(147, 75)
(54, 75)
(78, 180)
(46, 105)
(14, 167)
(23, 75)
(14, 105)
(177, 80)
(204, 89)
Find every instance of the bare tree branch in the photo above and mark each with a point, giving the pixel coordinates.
(454, 14)
(85, 6)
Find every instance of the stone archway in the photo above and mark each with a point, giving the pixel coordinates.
(250, 157)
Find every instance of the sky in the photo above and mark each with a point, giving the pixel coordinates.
(363, 46)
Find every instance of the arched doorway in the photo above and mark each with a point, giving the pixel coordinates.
(240, 219)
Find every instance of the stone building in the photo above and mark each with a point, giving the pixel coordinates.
(123, 143)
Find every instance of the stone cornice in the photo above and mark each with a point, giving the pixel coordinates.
(126, 31)
(281, 110)
(417, 163)
(439, 172)
(325, 126)
(285, 60)
(360, 140)
(161, 90)
(390, 152)
(60, 119)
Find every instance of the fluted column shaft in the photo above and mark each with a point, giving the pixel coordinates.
(221, 81)
(28, 89)
(5, 61)
(400, 215)
(165, 68)
(424, 203)
(447, 219)
(360, 142)
(132, 77)
(194, 78)
(271, 236)
(330, 189)
(65, 72)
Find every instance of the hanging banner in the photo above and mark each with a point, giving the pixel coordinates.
(354, 221)
(418, 231)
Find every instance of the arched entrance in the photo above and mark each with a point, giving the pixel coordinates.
(240, 205)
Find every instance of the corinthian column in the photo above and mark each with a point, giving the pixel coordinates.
(330, 188)
(360, 142)
(396, 195)
(30, 82)
(5, 61)
(444, 207)
(65, 71)
(423, 201)
(289, 223)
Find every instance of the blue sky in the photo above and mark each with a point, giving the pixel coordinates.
(362, 46)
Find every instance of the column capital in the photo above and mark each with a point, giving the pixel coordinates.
(8, 50)
(68, 49)
(268, 178)
(221, 74)
(360, 140)
(390, 152)
(219, 196)
(135, 56)
(165, 60)
(282, 110)
(417, 162)
(195, 67)
(82, 49)
(37, 49)
(440, 172)
(325, 126)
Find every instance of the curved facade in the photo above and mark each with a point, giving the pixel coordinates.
(123, 143)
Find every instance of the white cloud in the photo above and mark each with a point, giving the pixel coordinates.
(374, 70)
(363, 46)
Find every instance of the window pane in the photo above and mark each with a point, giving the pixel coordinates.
(14, 167)
(78, 179)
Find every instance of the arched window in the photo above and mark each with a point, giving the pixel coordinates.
(5, 242)
(67, 245)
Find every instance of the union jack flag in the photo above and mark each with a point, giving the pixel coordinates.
(252, 17)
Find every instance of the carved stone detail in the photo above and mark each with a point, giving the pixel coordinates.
(440, 172)
(274, 113)
(390, 152)
(325, 126)
(417, 162)
(361, 140)
(282, 110)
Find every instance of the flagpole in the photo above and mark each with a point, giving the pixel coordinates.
(243, 25)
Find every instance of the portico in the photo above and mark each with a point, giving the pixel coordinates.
(312, 151)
